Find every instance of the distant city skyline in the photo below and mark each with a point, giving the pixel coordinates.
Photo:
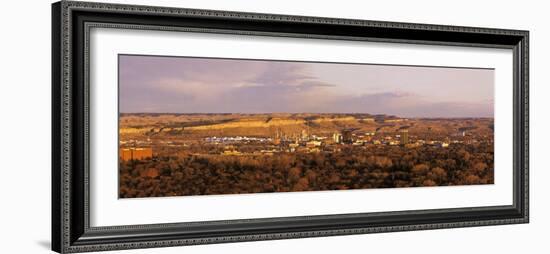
(159, 84)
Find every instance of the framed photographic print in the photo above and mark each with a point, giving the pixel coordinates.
(181, 126)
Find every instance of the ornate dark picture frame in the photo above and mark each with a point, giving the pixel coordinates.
(71, 23)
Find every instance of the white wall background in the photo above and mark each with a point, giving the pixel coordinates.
(25, 125)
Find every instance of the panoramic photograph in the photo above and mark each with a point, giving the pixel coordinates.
(214, 126)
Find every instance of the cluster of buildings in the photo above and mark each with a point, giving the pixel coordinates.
(300, 141)
(304, 142)
(132, 153)
(135, 150)
(237, 139)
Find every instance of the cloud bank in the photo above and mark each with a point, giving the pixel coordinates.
(202, 85)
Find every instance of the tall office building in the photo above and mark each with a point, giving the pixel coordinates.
(347, 136)
(337, 137)
(404, 136)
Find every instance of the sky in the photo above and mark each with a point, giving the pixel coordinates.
(160, 84)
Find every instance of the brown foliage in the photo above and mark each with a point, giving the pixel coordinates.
(379, 167)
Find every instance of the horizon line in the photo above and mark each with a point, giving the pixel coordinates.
(266, 113)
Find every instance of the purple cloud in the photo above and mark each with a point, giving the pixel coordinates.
(204, 85)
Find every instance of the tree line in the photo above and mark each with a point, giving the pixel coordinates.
(351, 168)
